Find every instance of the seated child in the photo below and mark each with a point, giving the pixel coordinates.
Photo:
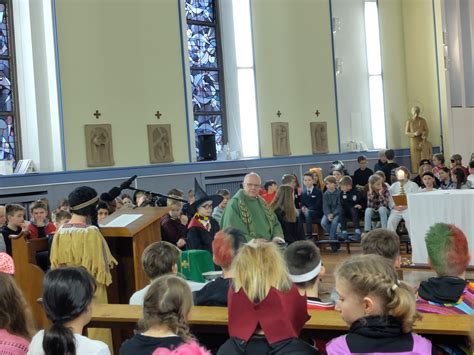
(172, 228)
(429, 182)
(269, 190)
(379, 309)
(470, 177)
(15, 224)
(305, 266)
(352, 203)
(266, 312)
(448, 253)
(3, 220)
(219, 210)
(61, 217)
(159, 258)
(384, 243)
(361, 175)
(225, 246)
(445, 182)
(166, 308)
(459, 179)
(331, 209)
(67, 301)
(438, 162)
(102, 211)
(311, 202)
(377, 202)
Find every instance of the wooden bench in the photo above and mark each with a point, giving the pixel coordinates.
(205, 318)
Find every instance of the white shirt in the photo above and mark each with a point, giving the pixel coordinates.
(84, 345)
(394, 190)
(137, 297)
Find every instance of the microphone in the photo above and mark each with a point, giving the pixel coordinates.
(126, 184)
(115, 191)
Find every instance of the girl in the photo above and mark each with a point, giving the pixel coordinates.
(266, 311)
(458, 178)
(166, 308)
(428, 179)
(15, 318)
(379, 309)
(287, 215)
(78, 243)
(67, 301)
(377, 202)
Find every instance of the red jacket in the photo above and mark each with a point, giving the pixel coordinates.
(35, 232)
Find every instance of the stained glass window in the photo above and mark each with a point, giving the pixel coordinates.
(8, 111)
(205, 61)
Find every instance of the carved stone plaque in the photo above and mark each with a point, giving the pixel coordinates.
(160, 147)
(99, 149)
(319, 137)
(280, 139)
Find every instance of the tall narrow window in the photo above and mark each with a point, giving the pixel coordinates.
(374, 64)
(205, 61)
(9, 121)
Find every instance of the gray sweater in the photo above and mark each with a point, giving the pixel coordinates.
(332, 202)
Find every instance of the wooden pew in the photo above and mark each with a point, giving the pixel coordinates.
(120, 315)
(29, 276)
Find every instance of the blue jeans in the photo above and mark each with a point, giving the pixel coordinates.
(330, 227)
(369, 212)
(307, 218)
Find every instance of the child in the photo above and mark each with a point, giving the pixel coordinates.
(40, 226)
(361, 175)
(399, 212)
(225, 246)
(381, 162)
(456, 162)
(102, 211)
(284, 208)
(438, 162)
(425, 167)
(266, 311)
(305, 266)
(166, 308)
(3, 220)
(379, 309)
(445, 182)
(458, 178)
(270, 189)
(448, 254)
(332, 210)
(351, 204)
(428, 180)
(172, 228)
(338, 174)
(387, 168)
(470, 178)
(219, 210)
(377, 201)
(158, 259)
(63, 205)
(61, 217)
(15, 224)
(16, 323)
(384, 243)
(311, 203)
(67, 301)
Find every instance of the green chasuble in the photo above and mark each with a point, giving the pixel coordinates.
(252, 216)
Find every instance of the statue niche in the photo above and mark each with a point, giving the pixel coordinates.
(280, 139)
(99, 149)
(160, 147)
(319, 137)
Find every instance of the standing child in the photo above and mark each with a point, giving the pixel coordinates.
(15, 224)
(332, 210)
(311, 203)
(219, 210)
(352, 203)
(361, 175)
(379, 309)
(377, 202)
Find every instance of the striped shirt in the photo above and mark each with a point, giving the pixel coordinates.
(463, 306)
(316, 303)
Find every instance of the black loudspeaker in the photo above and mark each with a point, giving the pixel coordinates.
(207, 147)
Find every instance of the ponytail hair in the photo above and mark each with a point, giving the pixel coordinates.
(168, 303)
(376, 276)
(67, 292)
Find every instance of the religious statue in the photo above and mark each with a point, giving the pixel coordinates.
(417, 130)
(159, 143)
(99, 150)
(319, 137)
(280, 138)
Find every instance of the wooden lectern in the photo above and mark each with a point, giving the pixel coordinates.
(127, 239)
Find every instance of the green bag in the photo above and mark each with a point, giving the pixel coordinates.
(192, 263)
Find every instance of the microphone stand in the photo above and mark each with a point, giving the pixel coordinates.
(156, 195)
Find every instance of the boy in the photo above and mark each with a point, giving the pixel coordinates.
(470, 177)
(438, 162)
(160, 258)
(381, 162)
(311, 203)
(445, 182)
(40, 226)
(361, 175)
(102, 211)
(61, 217)
(219, 210)
(305, 266)
(351, 204)
(384, 243)
(332, 210)
(387, 168)
(269, 192)
(15, 224)
(172, 229)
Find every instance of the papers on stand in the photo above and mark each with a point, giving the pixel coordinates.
(122, 220)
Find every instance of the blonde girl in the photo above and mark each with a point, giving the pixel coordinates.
(377, 202)
(379, 309)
